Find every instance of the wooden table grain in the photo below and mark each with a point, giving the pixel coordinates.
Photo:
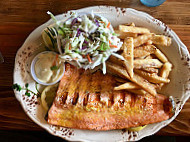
(20, 17)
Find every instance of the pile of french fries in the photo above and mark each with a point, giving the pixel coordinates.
(145, 68)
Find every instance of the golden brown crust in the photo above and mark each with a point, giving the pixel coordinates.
(88, 101)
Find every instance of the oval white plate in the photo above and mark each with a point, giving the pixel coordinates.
(179, 86)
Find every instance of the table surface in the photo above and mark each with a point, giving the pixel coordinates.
(18, 18)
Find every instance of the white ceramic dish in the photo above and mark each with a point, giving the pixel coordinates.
(32, 70)
(179, 86)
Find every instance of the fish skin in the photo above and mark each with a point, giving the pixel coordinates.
(97, 106)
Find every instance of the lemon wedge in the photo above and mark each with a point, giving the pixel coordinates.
(137, 128)
(48, 96)
(46, 39)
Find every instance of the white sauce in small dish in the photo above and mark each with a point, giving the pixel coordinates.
(46, 68)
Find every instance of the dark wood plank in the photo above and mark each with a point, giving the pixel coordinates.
(171, 12)
(12, 115)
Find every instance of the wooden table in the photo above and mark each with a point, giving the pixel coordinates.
(19, 17)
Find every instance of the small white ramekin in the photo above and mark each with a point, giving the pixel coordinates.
(32, 69)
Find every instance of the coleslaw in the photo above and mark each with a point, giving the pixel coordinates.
(85, 41)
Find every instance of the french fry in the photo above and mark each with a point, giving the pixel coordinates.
(120, 80)
(161, 40)
(119, 62)
(149, 42)
(143, 51)
(130, 24)
(150, 70)
(165, 71)
(140, 53)
(143, 83)
(128, 85)
(161, 56)
(115, 60)
(143, 61)
(147, 63)
(128, 55)
(118, 70)
(132, 29)
(138, 91)
(123, 35)
(142, 39)
(149, 48)
(149, 57)
(152, 77)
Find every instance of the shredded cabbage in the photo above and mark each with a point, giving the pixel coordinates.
(85, 41)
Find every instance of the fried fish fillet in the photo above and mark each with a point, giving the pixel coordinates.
(89, 101)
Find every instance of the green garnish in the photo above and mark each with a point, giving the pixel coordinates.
(61, 31)
(26, 85)
(17, 87)
(27, 93)
(36, 86)
(52, 16)
(54, 68)
(104, 46)
(77, 51)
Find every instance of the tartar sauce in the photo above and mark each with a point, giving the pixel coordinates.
(48, 68)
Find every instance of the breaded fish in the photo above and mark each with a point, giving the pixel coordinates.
(87, 100)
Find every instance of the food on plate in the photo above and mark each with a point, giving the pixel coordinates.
(48, 41)
(137, 128)
(147, 63)
(87, 100)
(165, 71)
(85, 41)
(128, 55)
(111, 78)
(142, 39)
(133, 29)
(138, 91)
(150, 70)
(143, 83)
(48, 95)
(128, 85)
(47, 67)
(123, 35)
(160, 56)
(161, 40)
(143, 51)
(154, 78)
